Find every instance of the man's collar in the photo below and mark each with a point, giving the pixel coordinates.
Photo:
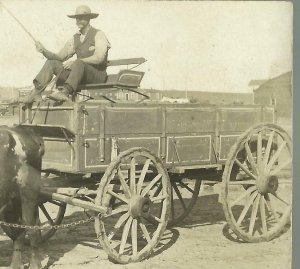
(88, 28)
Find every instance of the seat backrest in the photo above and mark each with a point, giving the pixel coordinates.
(126, 61)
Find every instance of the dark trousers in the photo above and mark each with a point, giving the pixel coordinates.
(80, 73)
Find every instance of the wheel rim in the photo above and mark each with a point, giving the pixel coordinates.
(257, 183)
(139, 214)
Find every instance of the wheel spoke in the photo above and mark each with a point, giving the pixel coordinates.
(120, 209)
(286, 179)
(45, 212)
(142, 175)
(263, 214)
(151, 184)
(269, 204)
(246, 208)
(242, 182)
(186, 187)
(158, 190)
(132, 176)
(250, 158)
(124, 184)
(119, 197)
(145, 232)
(118, 225)
(153, 219)
(245, 169)
(280, 199)
(268, 149)
(134, 237)
(275, 156)
(244, 194)
(259, 152)
(280, 167)
(179, 195)
(125, 235)
(254, 214)
(158, 198)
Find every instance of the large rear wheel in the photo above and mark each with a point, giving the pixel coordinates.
(257, 183)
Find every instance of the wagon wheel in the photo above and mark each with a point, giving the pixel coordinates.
(257, 183)
(50, 213)
(137, 222)
(183, 198)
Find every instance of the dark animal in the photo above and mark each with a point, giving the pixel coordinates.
(21, 154)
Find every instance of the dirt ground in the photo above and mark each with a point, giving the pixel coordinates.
(202, 241)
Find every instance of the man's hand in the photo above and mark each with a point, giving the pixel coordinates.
(67, 65)
(39, 47)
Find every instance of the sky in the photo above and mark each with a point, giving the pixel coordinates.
(189, 45)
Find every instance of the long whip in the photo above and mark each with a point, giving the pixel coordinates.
(16, 19)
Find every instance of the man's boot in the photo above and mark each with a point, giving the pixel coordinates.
(61, 95)
(34, 95)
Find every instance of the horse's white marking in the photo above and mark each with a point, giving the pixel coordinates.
(19, 147)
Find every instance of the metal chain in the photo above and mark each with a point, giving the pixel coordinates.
(48, 227)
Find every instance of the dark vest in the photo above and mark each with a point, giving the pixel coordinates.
(87, 47)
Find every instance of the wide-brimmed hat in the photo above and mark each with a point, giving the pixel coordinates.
(83, 11)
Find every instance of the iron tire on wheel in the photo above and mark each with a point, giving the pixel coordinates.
(263, 157)
(128, 234)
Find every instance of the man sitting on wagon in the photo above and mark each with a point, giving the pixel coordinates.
(91, 47)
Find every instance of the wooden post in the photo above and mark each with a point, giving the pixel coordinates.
(102, 135)
(163, 133)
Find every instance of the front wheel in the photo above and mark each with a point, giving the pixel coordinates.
(139, 213)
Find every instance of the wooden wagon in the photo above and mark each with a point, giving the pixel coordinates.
(139, 165)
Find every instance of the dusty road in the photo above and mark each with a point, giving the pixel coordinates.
(202, 241)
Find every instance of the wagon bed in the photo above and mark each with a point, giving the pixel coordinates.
(83, 137)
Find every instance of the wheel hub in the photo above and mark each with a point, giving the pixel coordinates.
(139, 206)
(268, 184)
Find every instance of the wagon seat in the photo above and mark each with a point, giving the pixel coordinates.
(125, 79)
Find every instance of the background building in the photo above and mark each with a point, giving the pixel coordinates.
(276, 91)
